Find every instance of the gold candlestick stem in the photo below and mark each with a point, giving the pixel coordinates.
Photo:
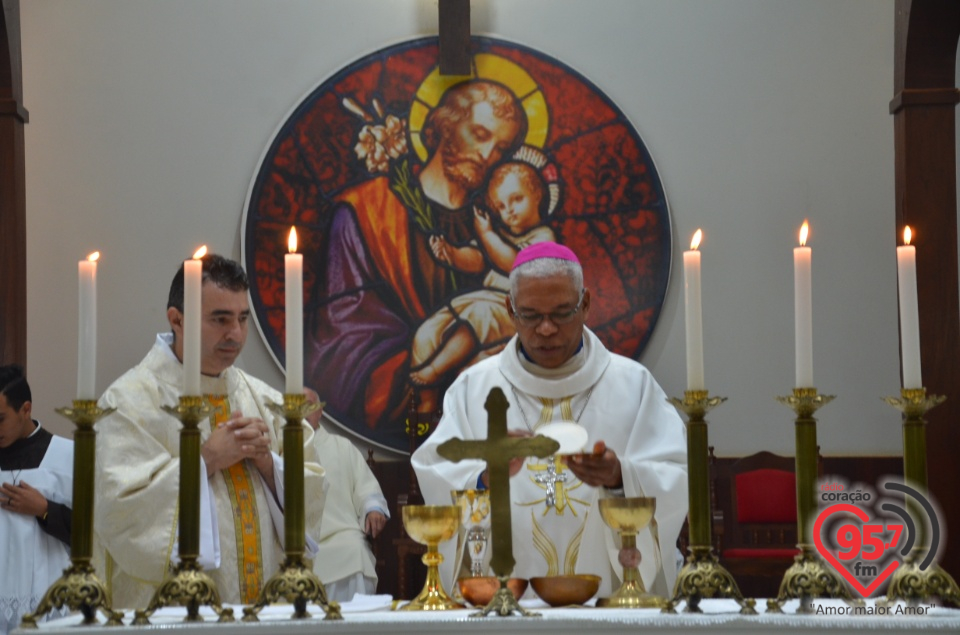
(189, 587)
(808, 577)
(295, 582)
(79, 588)
(702, 575)
(912, 582)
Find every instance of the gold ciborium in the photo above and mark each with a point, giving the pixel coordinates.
(474, 534)
(430, 525)
(628, 516)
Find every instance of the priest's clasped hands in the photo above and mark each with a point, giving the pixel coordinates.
(237, 439)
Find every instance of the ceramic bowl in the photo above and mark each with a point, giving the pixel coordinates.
(479, 591)
(566, 590)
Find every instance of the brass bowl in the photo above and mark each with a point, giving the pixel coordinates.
(564, 590)
(479, 591)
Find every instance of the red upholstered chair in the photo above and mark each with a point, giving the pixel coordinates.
(760, 525)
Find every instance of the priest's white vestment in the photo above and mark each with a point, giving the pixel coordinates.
(344, 561)
(616, 400)
(138, 480)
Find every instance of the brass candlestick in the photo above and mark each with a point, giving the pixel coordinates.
(295, 582)
(430, 525)
(189, 587)
(628, 517)
(808, 577)
(702, 575)
(916, 581)
(79, 588)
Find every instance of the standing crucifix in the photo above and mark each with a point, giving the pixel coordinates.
(497, 450)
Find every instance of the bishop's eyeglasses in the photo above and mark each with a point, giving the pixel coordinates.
(558, 318)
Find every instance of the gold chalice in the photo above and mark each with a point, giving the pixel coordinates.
(430, 525)
(474, 534)
(628, 516)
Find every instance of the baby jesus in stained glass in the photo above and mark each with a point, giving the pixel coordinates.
(475, 325)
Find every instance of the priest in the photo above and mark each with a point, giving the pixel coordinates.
(138, 457)
(36, 489)
(355, 510)
(555, 369)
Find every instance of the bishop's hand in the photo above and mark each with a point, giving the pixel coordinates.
(600, 468)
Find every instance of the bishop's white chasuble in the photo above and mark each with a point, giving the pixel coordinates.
(557, 527)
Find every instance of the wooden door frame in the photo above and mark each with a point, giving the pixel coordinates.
(13, 216)
(923, 107)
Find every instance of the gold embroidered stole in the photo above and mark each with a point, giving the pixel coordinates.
(246, 522)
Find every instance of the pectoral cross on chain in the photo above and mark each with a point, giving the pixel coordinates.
(549, 479)
(497, 450)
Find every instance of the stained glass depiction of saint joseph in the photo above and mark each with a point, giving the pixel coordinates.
(383, 277)
(416, 191)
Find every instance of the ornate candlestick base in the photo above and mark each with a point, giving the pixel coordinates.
(702, 575)
(808, 577)
(916, 585)
(503, 603)
(295, 582)
(79, 588)
(912, 581)
(189, 587)
(299, 586)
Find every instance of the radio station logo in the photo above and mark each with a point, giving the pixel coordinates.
(865, 545)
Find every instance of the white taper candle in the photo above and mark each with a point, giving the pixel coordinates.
(694, 315)
(192, 316)
(909, 314)
(87, 337)
(293, 283)
(803, 310)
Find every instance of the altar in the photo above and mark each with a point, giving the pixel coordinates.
(375, 615)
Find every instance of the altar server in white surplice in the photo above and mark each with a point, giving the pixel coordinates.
(555, 370)
(36, 473)
(354, 509)
(138, 464)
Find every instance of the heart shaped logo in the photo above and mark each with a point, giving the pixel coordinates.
(854, 538)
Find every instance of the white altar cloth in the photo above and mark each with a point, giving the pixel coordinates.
(373, 616)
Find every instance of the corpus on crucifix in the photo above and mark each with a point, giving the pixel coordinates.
(497, 450)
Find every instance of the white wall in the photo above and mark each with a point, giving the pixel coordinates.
(148, 118)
